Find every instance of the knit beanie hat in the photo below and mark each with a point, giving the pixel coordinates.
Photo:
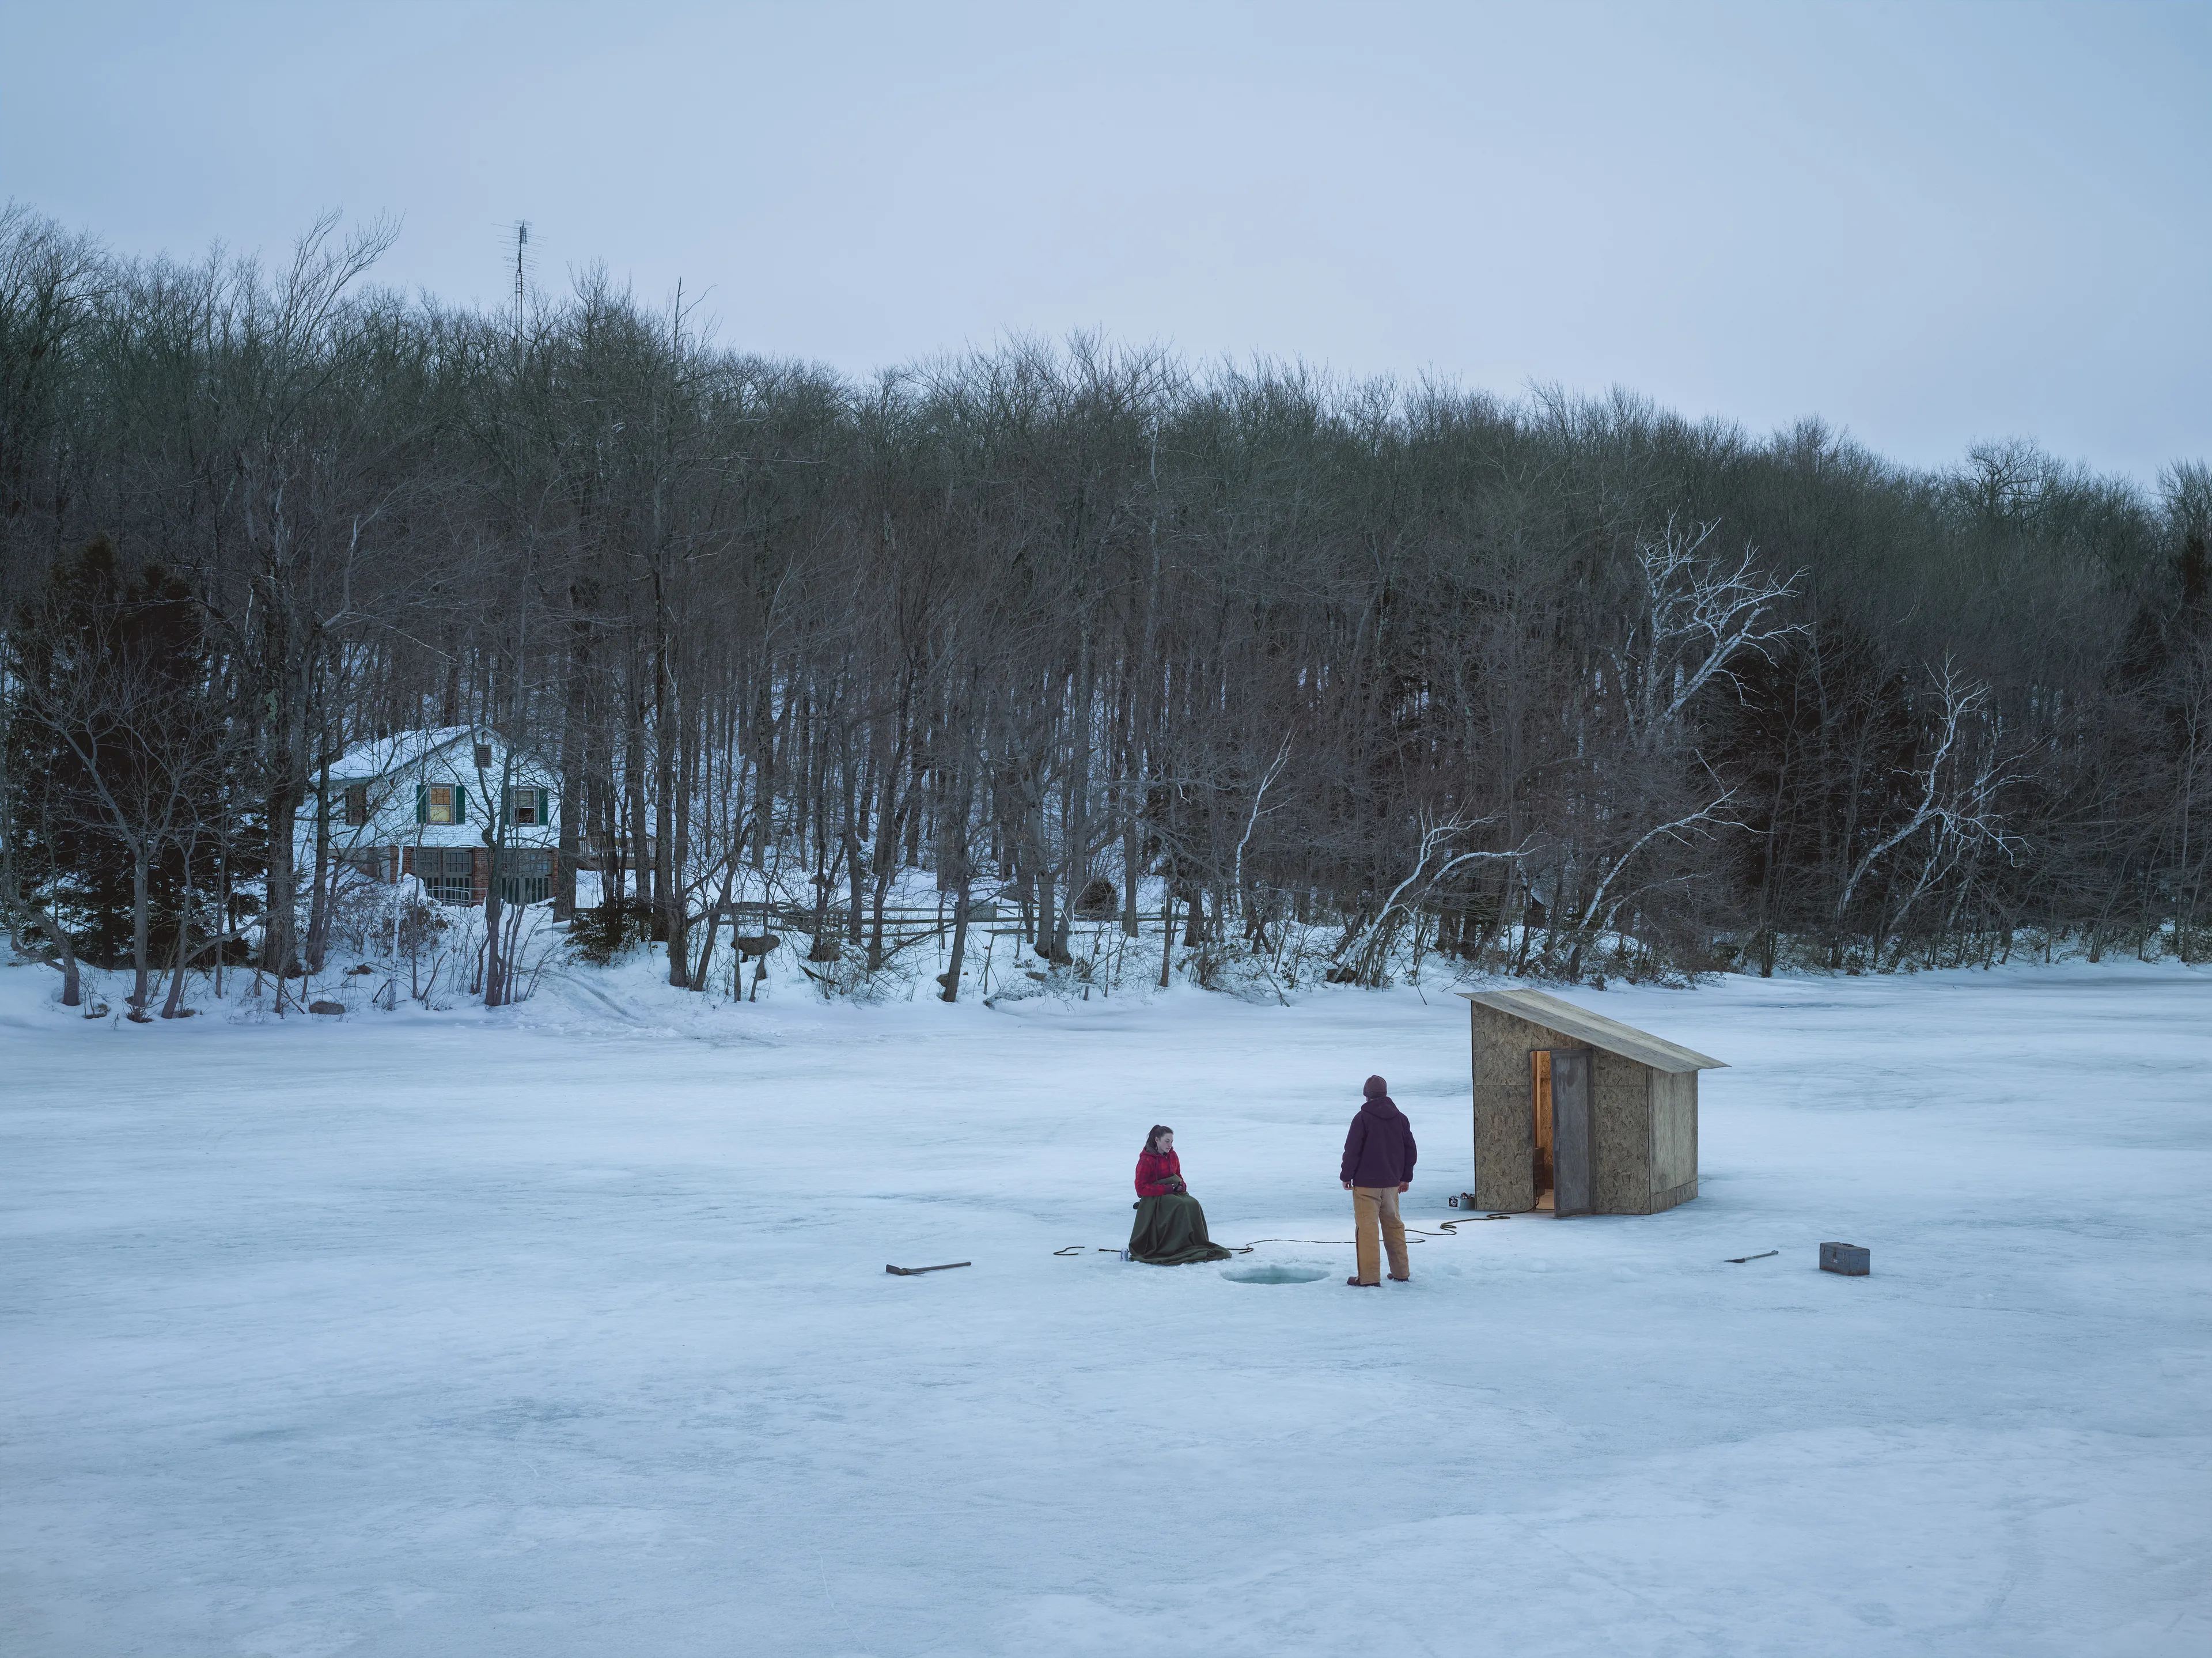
(1376, 1088)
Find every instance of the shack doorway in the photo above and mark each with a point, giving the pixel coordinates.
(1560, 1096)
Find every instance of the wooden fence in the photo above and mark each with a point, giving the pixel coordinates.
(908, 925)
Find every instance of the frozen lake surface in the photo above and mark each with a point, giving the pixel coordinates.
(566, 1333)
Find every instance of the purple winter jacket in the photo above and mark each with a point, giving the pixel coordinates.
(1379, 1151)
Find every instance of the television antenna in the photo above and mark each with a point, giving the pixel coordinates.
(521, 270)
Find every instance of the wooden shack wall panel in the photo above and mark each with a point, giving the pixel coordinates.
(1504, 1114)
(1673, 1130)
(1622, 1100)
(1667, 1200)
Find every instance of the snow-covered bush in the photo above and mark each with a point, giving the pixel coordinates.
(601, 934)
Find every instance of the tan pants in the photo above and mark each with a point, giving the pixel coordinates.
(1368, 1205)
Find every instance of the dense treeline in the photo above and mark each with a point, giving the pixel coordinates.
(1556, 686)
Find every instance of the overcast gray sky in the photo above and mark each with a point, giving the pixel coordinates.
(1929, 224)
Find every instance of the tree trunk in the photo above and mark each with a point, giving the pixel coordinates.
(174, 1002)
(1048, 924)
(569, 808)
(319, 881)
(678, 764)
(64, 947)
(141, 987)
(714, 913)
(1075, 811)
(641, 826)
(292, 668)
(888, 766)
(856, 860)
(494, 908)
(764, 772)
(606, 819)
(279, 918)
(961, 904)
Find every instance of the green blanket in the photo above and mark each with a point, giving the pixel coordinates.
(1171, 1231)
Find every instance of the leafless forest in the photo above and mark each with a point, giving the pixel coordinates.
(1545, 686)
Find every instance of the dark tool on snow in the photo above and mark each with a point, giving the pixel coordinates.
(1845, 1258)
(1738, 1261)
(916, 1271)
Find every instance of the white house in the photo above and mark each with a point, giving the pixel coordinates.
(420, 803)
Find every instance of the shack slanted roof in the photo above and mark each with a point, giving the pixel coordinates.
(1596, 1029)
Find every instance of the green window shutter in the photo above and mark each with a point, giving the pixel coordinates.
(421, 803)
(546, 808)
(506, 807)
(460, 805)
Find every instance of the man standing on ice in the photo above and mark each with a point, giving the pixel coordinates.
(1378, 1164)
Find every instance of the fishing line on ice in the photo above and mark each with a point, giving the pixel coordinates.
(1451, 1230)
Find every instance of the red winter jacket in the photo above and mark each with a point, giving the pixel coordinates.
(1154, 1170)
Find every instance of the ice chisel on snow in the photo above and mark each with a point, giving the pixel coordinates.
(915, 1271)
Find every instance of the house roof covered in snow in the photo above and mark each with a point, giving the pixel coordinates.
(382, 755)
(1595, 1028)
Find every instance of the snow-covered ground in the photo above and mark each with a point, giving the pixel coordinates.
(565, 1332)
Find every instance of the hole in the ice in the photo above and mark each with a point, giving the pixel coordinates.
(1273, 1274)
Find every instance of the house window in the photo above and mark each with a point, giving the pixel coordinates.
(484, 756)
(357, 803)
(439, 803)
(529, 808)
(525, 877)
(448, 874)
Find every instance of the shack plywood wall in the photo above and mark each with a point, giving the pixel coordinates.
(1504, 1118)
(1674, 1137)
(1623, 1101)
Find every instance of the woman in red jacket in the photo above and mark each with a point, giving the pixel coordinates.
(1170, 1229)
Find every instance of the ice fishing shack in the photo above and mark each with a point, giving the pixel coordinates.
(1576, 1114)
